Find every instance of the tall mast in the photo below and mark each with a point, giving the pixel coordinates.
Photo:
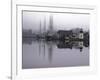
(51, 24)
(40, 27)
(44, 24)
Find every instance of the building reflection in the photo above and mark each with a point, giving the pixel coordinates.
(79, 45)
(75, 38)
(60, 44)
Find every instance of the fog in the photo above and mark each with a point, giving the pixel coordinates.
(43, 50)
(32, 20)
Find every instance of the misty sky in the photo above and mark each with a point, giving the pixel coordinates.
(61, 21)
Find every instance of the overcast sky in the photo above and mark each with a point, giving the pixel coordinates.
(61, 21)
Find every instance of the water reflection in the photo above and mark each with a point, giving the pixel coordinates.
(54, 53)
(54, 40)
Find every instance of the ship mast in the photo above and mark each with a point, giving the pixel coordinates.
(51, 24)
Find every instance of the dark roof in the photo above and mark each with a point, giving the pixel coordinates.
(64, 32)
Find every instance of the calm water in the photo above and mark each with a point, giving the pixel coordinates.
(42, 54)
(57, 26)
